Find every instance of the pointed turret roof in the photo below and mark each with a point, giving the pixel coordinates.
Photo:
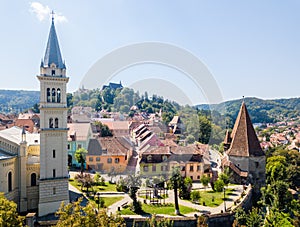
(244, 140)
(53, 54)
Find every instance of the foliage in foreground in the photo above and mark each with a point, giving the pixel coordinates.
(73, 214)
(8, 213)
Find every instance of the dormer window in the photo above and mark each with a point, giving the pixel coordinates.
(164, 158)
(149, 158)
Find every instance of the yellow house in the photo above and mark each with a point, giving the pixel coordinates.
(107, 153)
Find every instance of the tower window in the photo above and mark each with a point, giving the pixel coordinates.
(51, 122)
(58, 95)
(56, 122)
(33, 179)
(54, 173)
(53, 95)
(53, 72)
(53, 152)
(9, 181)
(48, 95)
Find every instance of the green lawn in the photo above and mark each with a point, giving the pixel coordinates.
(154, 209)
(208, 196)
(108, 201)
(107, 188)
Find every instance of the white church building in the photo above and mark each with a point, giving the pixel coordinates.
(33, 167)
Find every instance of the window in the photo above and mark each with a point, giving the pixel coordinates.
(149, 158)
(97, 159)
(256, 164)
(154, 168)
(54, 173)
(198, 177)
(33, 179)
(109, 160)
(192, 177)
(91, 159)
(53, 95)
(58, 95)
(199, 168)
(164, 158)
(51, 122)
(117, 160)
(191, 168)
(48, 95)
(164, 168)
(79, 146)
(9, 180)
(56, 122)
(145, 168)
(183, 168)
(69, 146)
(53, 153)
(53, 72)
(54, 191)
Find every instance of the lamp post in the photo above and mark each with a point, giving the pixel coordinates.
(98, 201)
(224, 200)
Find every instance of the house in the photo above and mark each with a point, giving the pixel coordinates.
(193, 160)
(113, 86)
(109, 153)
(118, 128)
(79, 135)
(80, 114)
(243, 153)
(176, 125)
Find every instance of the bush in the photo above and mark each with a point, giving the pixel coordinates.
(195, 196)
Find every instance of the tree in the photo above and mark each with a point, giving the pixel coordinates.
(225, 178)
(80, 156)
(8, 213)
(73, 214)
(254, 218)
(276, 168)
(205, 180)
(195, 196)
(219, 185)
(85, 180)
(175, 182)
(134, 183)
(185, 188)
(162, 222)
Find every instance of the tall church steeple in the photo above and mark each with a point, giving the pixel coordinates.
(53, 186)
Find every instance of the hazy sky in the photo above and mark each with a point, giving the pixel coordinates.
(251, 48)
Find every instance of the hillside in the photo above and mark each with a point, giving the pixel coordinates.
(15, 101)
(261, 111)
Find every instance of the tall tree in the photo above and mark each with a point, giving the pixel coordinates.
(134, 183)
(80, 156)
(175, 181)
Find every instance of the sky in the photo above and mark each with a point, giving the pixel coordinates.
(251, 48)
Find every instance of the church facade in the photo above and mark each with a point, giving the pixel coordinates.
(33, 166)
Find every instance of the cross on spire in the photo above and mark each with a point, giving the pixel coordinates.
(52, 15)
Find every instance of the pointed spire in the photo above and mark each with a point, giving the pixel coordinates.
(53, 54)
(244, 140)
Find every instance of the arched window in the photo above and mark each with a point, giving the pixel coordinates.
(51, 122)
(53, 95)
(58, 95)
(56, 122)
(9, 181)
(33, 179)
(48, 95)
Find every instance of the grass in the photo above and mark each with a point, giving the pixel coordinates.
(207, 197)
(108, 201)
(107, 188)
(155, 209)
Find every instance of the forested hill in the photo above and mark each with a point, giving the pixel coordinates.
(261, 111)
(15, 101)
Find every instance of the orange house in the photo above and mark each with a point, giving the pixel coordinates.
(107, 153)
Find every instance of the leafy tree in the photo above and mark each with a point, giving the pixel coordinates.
(73, 214)
(85, 179)
(195, 196)
(278, 219)
(254, 218)
(276, 168)
(205, 180)
(175, 181)
(240, 217)
(103, 129)
(8, 213)
(219, 185)
(185, 188)
(97, 178)
(225, 178)
(162, 222)
(80, 156)
(134, 183)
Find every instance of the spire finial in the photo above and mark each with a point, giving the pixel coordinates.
(52, 13)
(243, 98)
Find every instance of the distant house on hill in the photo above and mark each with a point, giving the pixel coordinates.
(113, 86)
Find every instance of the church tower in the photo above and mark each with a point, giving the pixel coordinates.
(53, 185)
